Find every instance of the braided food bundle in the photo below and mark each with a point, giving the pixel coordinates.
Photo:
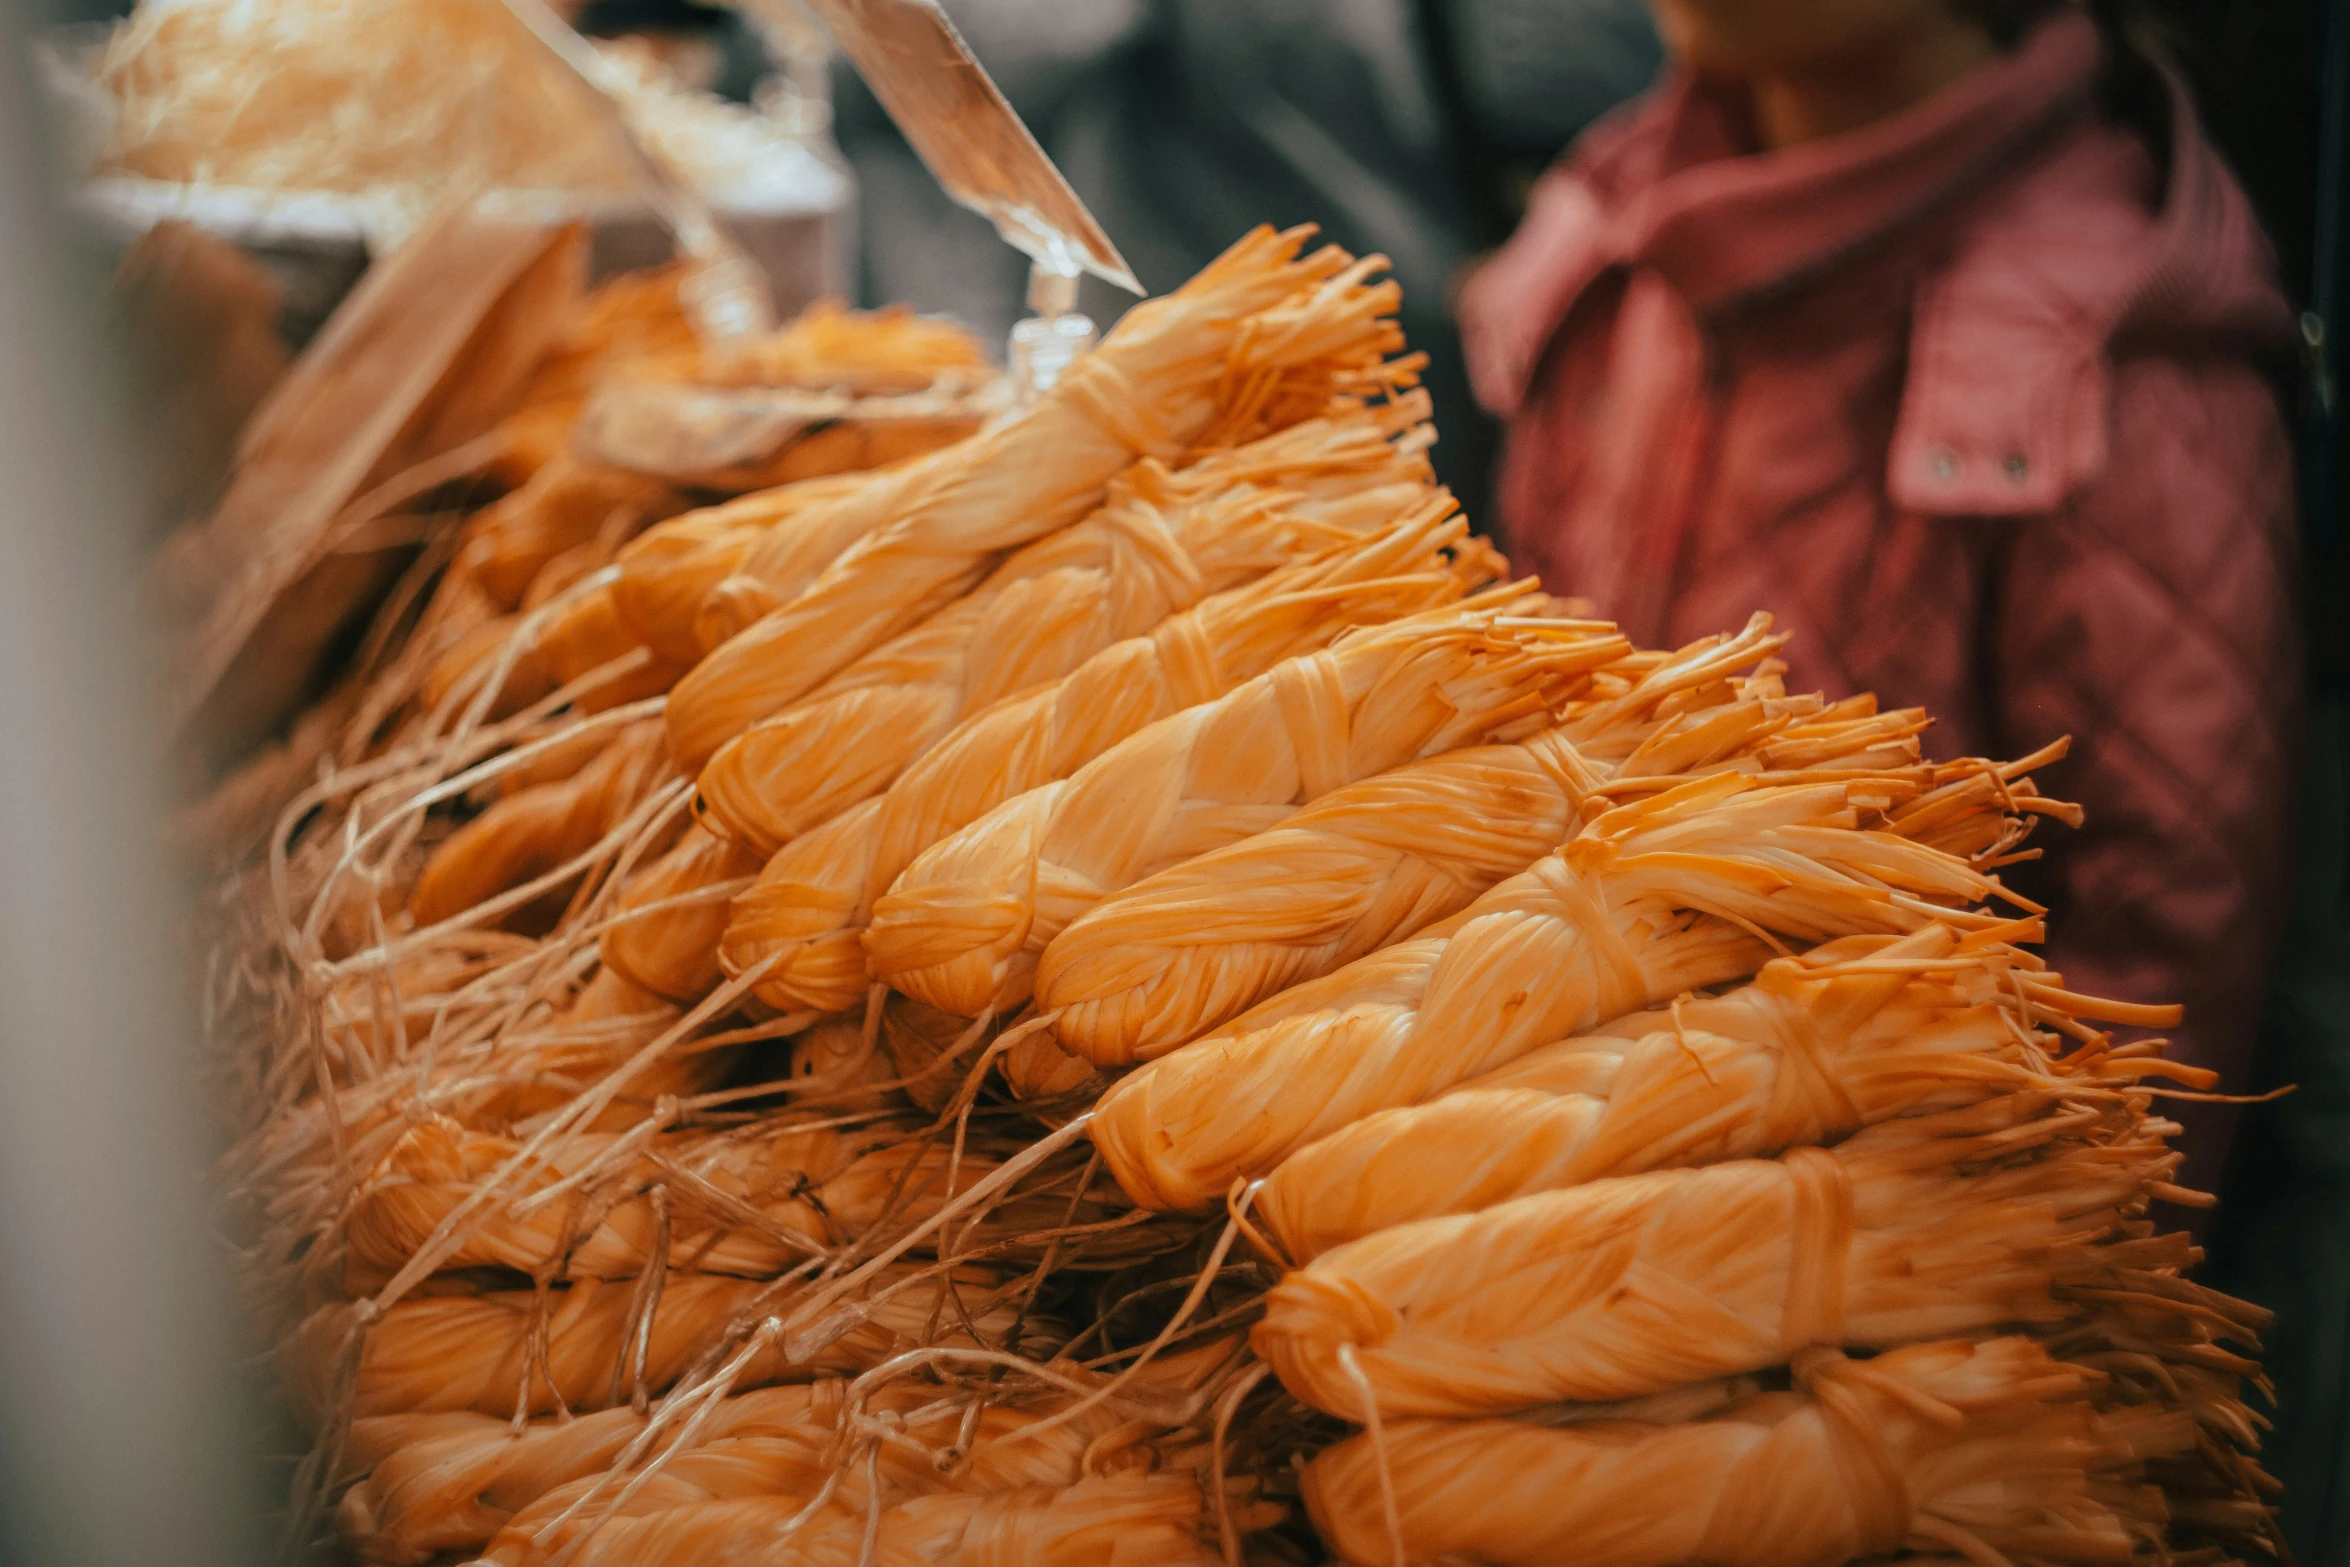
(445, 994)
(669, 569)
(1159, 545)
(634, 328)
(446, 1482)
(564, 504)
(673, 913)
(1688, 888)
(1913, 1229)
(455, 1481)
(452, 1481)
(829, 346)
(583, 647)
(1131, 1518)
(767, 570)
(1192, 947)
(602, 625)
(497, 664)
(752, 1201)
(779, 564)
(630, 324)
(1987, 1451)
(963, 925)
(1854, 1032)
(534, 831)
(805, 916)
(824, 347)
(690, 1493)
(598, 1343)
(462, 641)
(925, 1046)
(509, 553)
(530, 1068)
(741, 1204)
(1219, 348)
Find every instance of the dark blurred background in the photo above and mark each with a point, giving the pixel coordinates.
(2273, 81)
(1409, 127)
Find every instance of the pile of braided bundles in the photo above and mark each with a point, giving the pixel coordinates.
(1116, 991)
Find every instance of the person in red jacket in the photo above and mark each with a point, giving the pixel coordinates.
(1935, 328)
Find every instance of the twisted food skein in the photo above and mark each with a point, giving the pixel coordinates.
(530, 833)
(1156, 385)
(751, 1201)
(1686, 889)
(805, 916)
(434, 1483)
(1159, 545)
(1640, 1283)
(670, 568)
(580, 1348)
(1851, 1033)
(1178, 953)
(962, 927)
(1130, 1518)
(1947, 1448)
(672, 914)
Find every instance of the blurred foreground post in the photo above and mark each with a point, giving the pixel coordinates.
(118, 1401)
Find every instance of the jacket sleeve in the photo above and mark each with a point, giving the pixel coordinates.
(1511, 303)
(1514, 300)
(2152, 620)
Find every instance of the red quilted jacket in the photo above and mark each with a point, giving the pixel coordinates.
(1977, 401)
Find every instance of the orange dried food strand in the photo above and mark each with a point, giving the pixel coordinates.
(542, 644)
(530, 833)
(496, 1352)
(461, 628)
(1913, 1229)
(1132, 1519)
(1155, 548)
(1687, 888)
(1180, 952)
(1153, 387)
(665, 936)
(565, 504)
(962, 927)
(630, 324)
(587, 636)
(633, 327)
(530, 1068)
(781, 563)
(752, 1201)
(1850, 1033)
(668, 570)
(828, 345)
(448, 1482)
(804, 915)
(435, 1483)
(1940, 1448)
(776, 1174)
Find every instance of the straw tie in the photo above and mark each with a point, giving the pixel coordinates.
(1140, 534)
(1187, 661)
(1807, 1090)
(1875, 1485)
(1311, 694)
(1099, 392)
(1619, 983)
(1819, 1244)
